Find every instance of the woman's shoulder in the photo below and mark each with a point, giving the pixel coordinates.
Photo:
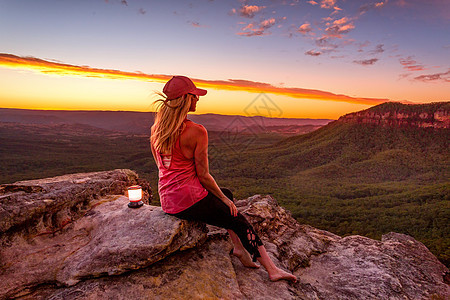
(194, 131)
(194, 127)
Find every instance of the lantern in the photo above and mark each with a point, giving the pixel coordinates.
(135, 196)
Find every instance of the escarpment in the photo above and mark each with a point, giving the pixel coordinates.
(433, 115)
(74, 237)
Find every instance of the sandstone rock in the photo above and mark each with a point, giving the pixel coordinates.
(113, 252)
(109, 239)
(432, 115)
(254, 283)
(48, 204)
(355, 267)
(205, 272)
(295, 242)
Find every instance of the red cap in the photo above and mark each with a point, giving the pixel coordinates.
(179, 86)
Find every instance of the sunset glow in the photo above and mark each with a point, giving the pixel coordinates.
(313, 59)
(52, 68)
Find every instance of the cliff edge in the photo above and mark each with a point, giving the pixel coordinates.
(74, 237)
(432, 115)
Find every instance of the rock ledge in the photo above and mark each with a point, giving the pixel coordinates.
(108, 251)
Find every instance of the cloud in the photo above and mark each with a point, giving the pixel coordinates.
(124, 2)
(380, 4)
(255, 29)
(366, 62)
(195, 24)
(378, 49)
(339, 27)
(445, 77)
(374, 5)
(142, 11)
(338, 30)
(61, 69)
(325, 45)
(341, 21)
(327, 3)
(249, 11)
(305, 28)
(313, 53)
(267, 23)
(330, 4)
(312, 2)
(410, 64)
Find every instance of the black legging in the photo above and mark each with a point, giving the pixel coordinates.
(211, 210)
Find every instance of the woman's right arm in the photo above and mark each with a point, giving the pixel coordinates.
(202, 168)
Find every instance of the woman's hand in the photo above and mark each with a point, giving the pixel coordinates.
(233, 208)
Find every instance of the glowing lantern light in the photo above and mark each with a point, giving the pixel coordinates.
(135, 196)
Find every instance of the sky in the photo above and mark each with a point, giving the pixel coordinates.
(290, 59)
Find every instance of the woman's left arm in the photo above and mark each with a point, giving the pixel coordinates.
(202, 168)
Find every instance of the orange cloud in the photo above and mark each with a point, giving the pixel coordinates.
(254, 29)
(341, 21)
(61, 69)
(410, 64)
(339, 27)
(305, 28)
(369, 6)
(327, 3)
(249, 11)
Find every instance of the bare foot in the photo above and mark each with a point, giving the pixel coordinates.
(282, 275)
(245, 258)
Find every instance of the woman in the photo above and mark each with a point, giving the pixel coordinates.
(186, 189)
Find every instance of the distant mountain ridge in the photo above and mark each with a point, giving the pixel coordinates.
(359, 136)
(435, 115)
(140, 122)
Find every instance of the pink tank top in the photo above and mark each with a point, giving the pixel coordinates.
(178, 186)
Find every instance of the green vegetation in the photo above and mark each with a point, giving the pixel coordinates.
(355, 179)
(344, 178)
(28, 152)
(429, 108)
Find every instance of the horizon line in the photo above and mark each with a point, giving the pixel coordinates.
(139, 111)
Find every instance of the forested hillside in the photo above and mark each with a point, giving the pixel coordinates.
(356, 178)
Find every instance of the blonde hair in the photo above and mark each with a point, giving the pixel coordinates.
(169, 121)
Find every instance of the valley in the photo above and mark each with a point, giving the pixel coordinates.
(348, 177)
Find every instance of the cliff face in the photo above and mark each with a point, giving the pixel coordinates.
(73, 237)
(434, 115)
